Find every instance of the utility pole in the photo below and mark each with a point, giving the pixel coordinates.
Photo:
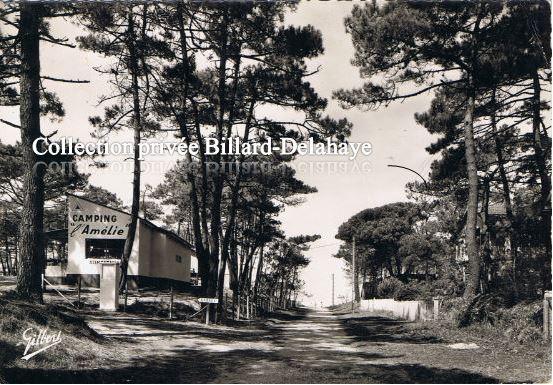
(332, 289)
(353, 277)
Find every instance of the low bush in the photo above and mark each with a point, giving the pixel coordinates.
(521, 323)
(388, 287)
(482, 309)
(16, 316)
(411, 291)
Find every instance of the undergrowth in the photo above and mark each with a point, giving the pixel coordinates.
(80, 345)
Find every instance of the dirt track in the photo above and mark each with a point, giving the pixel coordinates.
(305, 346)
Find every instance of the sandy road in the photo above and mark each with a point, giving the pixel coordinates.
(301, 347)
(296, 347)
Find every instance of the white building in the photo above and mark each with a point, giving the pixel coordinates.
(95, 231)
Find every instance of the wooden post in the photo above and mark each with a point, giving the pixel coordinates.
(126, 295)
(248, 306)
(332, 289)
(79, 291)
(436, 309)
(547, 315)
(353, 277)
(207, 313)
(171, 304)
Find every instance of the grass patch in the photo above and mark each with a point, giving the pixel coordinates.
(485, 335)
(80, 346)
(160, 308)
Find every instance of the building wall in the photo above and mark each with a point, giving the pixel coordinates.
(158, 252)
(144, 247)
(172, 269)
(154, 252)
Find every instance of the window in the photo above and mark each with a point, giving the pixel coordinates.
(178, 258)
(104, 248)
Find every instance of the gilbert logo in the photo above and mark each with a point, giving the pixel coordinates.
(38, 341)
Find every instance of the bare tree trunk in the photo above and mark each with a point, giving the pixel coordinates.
(199, 213)
(356, 283)
(258, 274)
(16, 255)
(220, 287)
(485, 236)
(215, 223)
(232, 209)
(5, 271)
(8, 257)
(473, 279)
(506, 197)
(545, 180)
(31, 247)
(137, 125)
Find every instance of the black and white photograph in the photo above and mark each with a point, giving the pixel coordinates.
(281, 192)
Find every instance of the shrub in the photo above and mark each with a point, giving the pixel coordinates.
(408, 292)
(388, 287)
(521, 323)
(482, 309)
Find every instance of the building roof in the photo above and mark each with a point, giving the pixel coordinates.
(56, 235)
(147, 222)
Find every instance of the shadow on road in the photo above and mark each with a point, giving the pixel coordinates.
(292, 347)
(186, 366)
(201, 367)
(382, 329)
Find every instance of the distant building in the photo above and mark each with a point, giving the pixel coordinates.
(159, 257)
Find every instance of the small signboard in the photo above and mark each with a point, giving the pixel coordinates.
(104, 261)
(208, 300)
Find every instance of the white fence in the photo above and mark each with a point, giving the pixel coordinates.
(408, 310)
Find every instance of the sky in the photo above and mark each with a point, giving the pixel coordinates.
(367, 181)
(344, 187)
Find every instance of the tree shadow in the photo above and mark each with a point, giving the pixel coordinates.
(8, 352)
(297, 351)
(132, 329)
(190, 366)
(183, 366)
(382, 329)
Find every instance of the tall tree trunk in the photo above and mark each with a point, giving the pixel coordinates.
(220, 288)
(510, 218)
(545, 180)
(356, 292)
(8, 258)
(137, 125)
(473, 279)
(484, 235)
(198, 210)
(16, 255)
(232, 209)
(5, 270)
(31, 246)
(247, 267)
(215, 223)
(258, 273)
